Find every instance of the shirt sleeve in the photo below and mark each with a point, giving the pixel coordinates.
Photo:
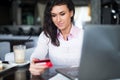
(41, 49)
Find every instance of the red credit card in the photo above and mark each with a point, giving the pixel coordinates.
(46, 62)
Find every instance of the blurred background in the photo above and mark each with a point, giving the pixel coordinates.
(21, 20)
(25, 17)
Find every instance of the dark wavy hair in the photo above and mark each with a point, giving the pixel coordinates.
(49, 27)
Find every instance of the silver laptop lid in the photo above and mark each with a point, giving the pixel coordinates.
(101, 53)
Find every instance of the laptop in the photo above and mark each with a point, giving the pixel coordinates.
(69, 72)
(100, 53)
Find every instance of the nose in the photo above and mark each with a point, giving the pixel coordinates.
(58, 18)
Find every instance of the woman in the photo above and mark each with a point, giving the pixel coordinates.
(60, 40)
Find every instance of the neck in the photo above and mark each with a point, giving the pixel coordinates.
(66, 32)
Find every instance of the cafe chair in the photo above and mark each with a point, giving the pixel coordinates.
(32, 32)
(21, 31)
(6, 30)
(4, 48)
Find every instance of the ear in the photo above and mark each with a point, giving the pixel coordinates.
(71, 12)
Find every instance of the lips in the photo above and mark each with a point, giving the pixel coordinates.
(60, 24)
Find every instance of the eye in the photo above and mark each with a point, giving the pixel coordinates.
(62, 14)
(53, 15)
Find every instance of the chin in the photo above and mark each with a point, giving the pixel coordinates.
(61, 28)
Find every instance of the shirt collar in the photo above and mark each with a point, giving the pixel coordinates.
(72, 34)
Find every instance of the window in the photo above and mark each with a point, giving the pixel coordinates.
(82, 15)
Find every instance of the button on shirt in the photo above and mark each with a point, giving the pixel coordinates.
(67, 54)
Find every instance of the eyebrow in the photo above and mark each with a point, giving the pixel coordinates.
(59, 12)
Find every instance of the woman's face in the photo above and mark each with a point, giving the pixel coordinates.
(61, 16)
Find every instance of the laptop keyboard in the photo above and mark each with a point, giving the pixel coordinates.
(59, 77)
(73, 73)
(70, 72)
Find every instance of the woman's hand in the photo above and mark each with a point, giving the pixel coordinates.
(37, 68)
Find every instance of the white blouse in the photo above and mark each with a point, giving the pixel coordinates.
(67, 54)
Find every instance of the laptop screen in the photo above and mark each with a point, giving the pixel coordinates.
(100, 53)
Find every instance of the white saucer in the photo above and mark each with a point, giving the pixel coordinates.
(20, 64)
(6, 67)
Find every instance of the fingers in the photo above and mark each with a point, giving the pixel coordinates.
(36, 68)
(34, 59)
(37, 72)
